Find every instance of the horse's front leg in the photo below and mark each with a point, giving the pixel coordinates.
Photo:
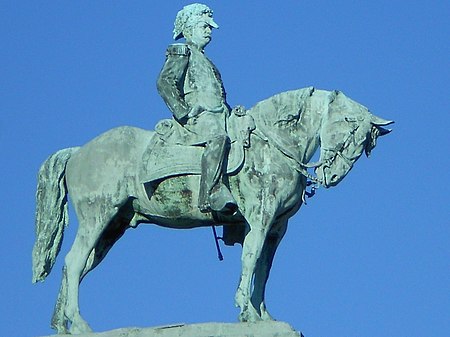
(264, 265)
(260, 222)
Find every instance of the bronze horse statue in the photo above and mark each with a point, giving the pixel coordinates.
(102, 179)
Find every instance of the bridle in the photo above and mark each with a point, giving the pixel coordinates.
(339, 152)
(335, 153)
(303, 168)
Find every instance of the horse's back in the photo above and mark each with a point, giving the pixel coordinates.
(107, 165)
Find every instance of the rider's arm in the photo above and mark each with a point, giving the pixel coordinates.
(171, 80)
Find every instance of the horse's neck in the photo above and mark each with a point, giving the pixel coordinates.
(291, 121)
(309, 125)
(316, 112)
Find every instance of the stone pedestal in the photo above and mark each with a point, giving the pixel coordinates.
(260, 329)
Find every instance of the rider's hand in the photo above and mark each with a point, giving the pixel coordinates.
(195, 111)
(239, 110)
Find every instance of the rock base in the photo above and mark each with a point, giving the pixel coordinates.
(259, 329)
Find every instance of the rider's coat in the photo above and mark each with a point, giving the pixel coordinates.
(188, 78)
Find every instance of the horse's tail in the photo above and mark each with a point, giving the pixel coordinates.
(51, 212)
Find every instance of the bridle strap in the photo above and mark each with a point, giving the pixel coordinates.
(299, 167)
(338, 153)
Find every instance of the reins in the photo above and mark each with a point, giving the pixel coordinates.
(300, 167)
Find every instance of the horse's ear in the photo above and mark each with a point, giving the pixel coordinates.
(375, 132)
(378, 121)
(383, 131)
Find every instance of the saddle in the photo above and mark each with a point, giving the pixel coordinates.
(169, 152)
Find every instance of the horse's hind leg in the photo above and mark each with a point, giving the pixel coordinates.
(89, 232)
(113, 232)
(59, 320)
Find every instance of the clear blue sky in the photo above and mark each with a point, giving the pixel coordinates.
(369, 257)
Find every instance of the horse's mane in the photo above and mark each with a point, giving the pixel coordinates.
(277, 120)
(283, 108)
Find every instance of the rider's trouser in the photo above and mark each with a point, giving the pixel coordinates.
(212, 165)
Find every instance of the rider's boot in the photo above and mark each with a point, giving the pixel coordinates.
(214, 195)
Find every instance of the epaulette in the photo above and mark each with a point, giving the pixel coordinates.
(178, 49)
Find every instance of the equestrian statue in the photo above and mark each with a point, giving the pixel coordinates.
(210, 165)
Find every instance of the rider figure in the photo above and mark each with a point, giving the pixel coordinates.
(192, 88)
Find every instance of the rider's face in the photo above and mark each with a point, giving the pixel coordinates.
(200, 35)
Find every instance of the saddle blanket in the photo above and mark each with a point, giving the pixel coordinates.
(167, 156)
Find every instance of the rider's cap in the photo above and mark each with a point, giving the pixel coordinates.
(190, 15)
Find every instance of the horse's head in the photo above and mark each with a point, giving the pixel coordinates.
(347, 130)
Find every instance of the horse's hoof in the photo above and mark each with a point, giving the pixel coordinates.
(79, 328)
(243, 318)
(265, 316)
(60, 329)
(250, 315)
